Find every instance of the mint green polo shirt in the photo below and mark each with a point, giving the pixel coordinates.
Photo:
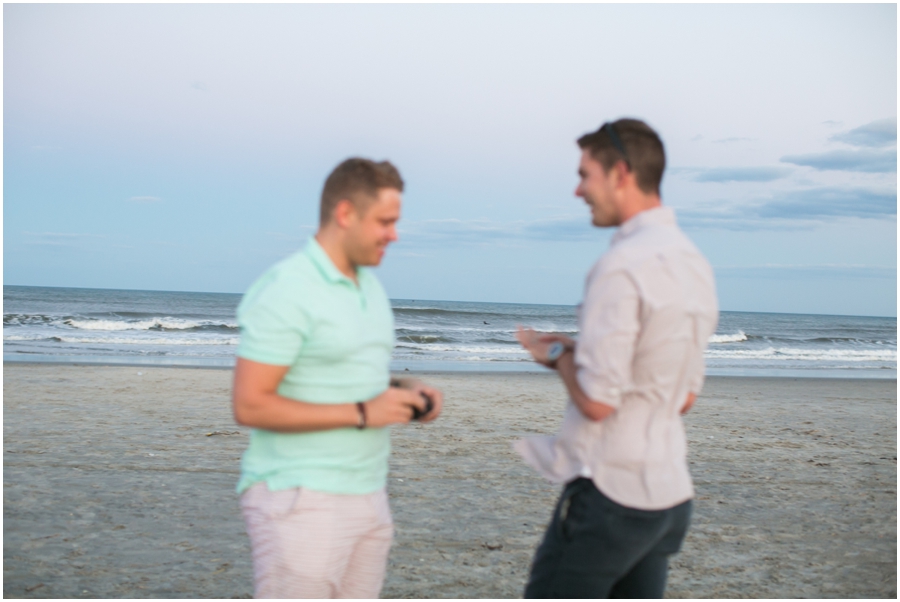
(337, 338)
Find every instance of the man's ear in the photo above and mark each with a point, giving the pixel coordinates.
(622, 173)
(343, 212)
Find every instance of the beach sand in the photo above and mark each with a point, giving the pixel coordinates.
(119, 484)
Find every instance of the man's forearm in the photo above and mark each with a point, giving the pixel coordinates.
(591, 409)
(275, 413)
(405, 382)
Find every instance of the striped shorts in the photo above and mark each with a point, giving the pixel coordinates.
(310, 544)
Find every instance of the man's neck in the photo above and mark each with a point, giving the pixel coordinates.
(638, 204)
(332, 243)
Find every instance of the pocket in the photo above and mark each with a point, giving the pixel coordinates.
(680, 517)
(569, 511)
(271, 504)
(380, 507)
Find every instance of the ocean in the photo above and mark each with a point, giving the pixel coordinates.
(43, 324)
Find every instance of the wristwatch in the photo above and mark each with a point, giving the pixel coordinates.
(554, 353)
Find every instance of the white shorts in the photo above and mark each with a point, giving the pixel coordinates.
(310, 544)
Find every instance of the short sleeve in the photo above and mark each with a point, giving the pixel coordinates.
(272, 321)
(609, 327)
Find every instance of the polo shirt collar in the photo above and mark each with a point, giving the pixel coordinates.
(658, 216)
(324, 264)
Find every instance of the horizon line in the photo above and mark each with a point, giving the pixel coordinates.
(141, 290)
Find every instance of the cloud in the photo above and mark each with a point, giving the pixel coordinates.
(875, 134)
(832, 123)
(145, 199)
(58, 239)
(198, 85)
(730, 140)
(742, 174)
(814, 203)
(866, 161)
(793, 209)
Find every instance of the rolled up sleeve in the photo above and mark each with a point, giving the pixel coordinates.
(697, 378)
(609, 325)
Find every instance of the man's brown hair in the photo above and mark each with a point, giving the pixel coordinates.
(357, 180)
(643, 150)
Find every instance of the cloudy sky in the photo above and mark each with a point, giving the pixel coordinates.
(183, 147)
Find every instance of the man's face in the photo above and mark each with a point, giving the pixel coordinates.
(598, 190)
(370, 232)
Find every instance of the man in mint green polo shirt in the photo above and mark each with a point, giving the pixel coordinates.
(312, 380)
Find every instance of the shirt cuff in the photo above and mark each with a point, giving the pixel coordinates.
(598, 391)
(261, 357)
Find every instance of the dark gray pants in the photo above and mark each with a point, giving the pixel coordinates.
(596, 548)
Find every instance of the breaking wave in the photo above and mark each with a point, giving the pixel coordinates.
(728, 338)
(788, 353)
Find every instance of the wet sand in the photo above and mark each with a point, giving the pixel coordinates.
(122, 485)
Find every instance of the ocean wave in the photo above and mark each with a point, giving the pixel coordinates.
(728, 338)
(442, 311)
(113, 324)
(816, 355)
(851, 340)
(438, 327)
(125, 340)
(164, 323)
(464, 358)
(513, 349)
(424, 338)
(480, 313)
(28, 319)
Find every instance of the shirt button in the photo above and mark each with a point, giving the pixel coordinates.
(614, 391)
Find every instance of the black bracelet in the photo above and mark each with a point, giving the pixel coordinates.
(361, 408)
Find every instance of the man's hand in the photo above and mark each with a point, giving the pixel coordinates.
(418, 387)
(691, 398)
(538, 344)
(394, 406)
(568, 342)
(257, 404)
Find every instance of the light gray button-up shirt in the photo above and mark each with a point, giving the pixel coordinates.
(649, 309)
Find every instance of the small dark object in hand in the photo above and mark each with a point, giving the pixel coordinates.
(429, 405)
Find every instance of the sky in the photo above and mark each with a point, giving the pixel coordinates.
(184, 147)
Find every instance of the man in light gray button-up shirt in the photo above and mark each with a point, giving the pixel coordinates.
(648, 311)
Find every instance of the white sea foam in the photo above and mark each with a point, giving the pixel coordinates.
(461, 348)
(167, 323)
(25, 337)
(220, 340)
(728, 338)
(510, 331)
(815, 355)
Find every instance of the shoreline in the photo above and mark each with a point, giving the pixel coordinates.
(122, 485)
(104, 361)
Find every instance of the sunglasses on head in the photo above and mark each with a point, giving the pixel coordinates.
(610, 130)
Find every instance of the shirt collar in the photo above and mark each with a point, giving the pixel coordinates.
(650, 217)
(324, 264)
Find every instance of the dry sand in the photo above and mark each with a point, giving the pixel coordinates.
(114, 487)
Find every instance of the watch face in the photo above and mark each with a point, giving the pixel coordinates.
(555, 351)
